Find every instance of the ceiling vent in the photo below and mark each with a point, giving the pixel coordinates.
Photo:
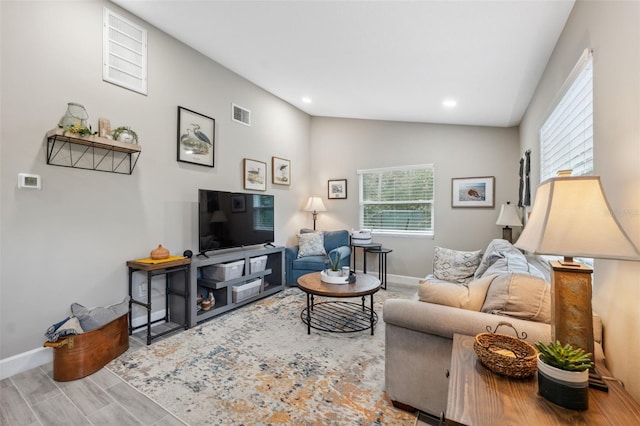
(240, 115)
(124, 51)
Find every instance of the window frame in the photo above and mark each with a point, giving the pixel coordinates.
(397, 232)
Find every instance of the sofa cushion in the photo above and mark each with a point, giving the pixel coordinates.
(465, 296)
(316, 263)
(520, 296)
(91, 319)
(455, 265)
(311, 244)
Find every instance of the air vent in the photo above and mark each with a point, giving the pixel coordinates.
(124, 52)
(240, 115)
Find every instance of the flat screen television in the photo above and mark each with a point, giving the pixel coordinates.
(233, 219)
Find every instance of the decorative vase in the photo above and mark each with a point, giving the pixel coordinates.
(569, 389)
(76, 115)
(159, 253)
(126, 136)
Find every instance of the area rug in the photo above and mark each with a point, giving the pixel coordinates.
(256, 365)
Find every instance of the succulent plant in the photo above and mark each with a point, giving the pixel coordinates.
(334, 261)
(564, 357)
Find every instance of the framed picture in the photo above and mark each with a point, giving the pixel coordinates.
(255, 175)
(196, 137)
(337, 189)
(473, 191)
(238, 203)
(280, 171)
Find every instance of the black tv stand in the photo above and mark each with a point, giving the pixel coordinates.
(269, 245)
(203, 253)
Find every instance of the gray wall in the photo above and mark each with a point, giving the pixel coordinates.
(69, 241)
(340, 147)
(612, 29)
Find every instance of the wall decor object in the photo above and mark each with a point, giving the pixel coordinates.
(337, 189)
(473, 191)
(280, 171)
(255, 175)
(196, 137)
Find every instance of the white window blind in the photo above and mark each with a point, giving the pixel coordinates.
(566, 137)
(397, 200)
(124, 53)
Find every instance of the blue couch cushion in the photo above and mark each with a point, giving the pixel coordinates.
(310, 262)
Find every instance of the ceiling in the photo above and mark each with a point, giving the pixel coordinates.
(384, 60)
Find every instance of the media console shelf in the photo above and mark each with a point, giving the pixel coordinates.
(272, 282)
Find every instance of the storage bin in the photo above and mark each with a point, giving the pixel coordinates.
(247, 290)
(223, 271)
(258, 264)
(83, 354)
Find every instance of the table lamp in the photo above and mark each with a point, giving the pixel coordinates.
(315, 205)
(508, 217)
(572, 217)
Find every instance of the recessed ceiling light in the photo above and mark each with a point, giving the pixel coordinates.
(306, 100)
(449, 103)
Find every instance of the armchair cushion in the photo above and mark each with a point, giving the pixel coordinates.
(311, 244)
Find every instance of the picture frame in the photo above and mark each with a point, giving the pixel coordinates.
(337, 189)
(473, 191)
(196, 138)
(238, 203)
(255, 175)
(280, 171)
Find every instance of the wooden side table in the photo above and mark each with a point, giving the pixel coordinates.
(477, 396)
(153, 269)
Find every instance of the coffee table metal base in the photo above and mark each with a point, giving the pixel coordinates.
(338, 317)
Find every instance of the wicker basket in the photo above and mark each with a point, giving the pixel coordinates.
(506, 355)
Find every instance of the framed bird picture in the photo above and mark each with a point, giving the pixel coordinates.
(196, 137)
(280, 171)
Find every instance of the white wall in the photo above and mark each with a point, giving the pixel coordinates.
(69, 242)
(612, 29)
(340, 147)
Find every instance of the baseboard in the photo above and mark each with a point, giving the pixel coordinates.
(40, 356)
(25, 361)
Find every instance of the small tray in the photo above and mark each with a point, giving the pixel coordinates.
(506, 355)
(333, 280)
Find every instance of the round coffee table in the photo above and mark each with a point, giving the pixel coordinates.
(338, 316)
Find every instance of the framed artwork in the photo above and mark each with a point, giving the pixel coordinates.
(473, 191)
(196, 137)
(337, 189)
(255, 175)
(238, 203)
(280, 171)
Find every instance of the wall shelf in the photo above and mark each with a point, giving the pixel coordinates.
(91, 153)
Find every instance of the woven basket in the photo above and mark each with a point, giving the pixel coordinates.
(506, 355)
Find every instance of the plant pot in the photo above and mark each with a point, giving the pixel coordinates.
(569, 389)
(332, 273)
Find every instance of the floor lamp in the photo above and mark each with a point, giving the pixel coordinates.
(315, 205)
(572, 217)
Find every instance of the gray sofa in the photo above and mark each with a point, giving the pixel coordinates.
(419, 333)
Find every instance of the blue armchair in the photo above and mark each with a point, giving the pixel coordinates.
(334, 241)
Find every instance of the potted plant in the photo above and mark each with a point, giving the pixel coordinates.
(124, 134)
(563, 375)
(334, 264)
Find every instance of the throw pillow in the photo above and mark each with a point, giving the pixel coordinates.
(91, 319)
(311, 244)
(454, 265)
(464, 296)
(520, 296)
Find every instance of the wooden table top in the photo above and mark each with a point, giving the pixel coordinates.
(365, 284)
(142, 266)
(477, 396)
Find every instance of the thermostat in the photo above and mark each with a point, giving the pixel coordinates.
(26, 180)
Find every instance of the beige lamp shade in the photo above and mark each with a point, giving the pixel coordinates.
(314, 204)
(508, 216)
(571, 217)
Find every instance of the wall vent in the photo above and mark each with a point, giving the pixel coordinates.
(124, 52)
(240, 115)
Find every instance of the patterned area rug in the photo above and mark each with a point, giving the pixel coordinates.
(257, 365)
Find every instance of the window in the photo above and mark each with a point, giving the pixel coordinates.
(397, 200)
(566, 137)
